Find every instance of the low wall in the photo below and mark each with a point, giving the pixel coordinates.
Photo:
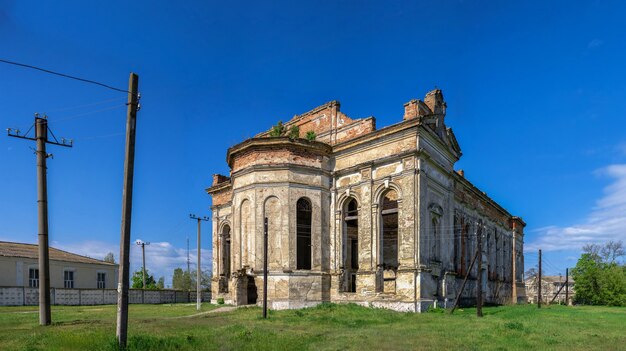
(22, 296)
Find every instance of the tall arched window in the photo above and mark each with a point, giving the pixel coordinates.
(436, 238)
(389, 214)
(225, 236)
(303, 234)
(351, 243)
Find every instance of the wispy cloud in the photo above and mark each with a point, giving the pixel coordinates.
(161, 257)
(606, 221)
(595, 43)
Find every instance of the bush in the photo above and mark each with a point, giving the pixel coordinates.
(294, 132)
(310, 135)
(220, 300)
(277, 130)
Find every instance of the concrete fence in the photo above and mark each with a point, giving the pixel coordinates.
(22, 296)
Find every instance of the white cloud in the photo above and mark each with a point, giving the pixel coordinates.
(161, 257)
(606, 221)
(595, 43)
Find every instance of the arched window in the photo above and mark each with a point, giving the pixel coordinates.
(303, 234)
(225, 236)
(435, 244)
(389, 214)
(351, 243)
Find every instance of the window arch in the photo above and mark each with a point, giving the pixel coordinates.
(303, 233)
(350, 243)
(225, 236)
(389, 221)
(435, 250)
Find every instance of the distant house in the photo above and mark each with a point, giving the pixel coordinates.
(19, 268)
(550, 286)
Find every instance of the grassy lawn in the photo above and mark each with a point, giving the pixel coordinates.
(326, 327)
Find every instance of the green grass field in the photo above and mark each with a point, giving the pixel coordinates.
(326, 327)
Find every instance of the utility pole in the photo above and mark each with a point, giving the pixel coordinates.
(265, 268)
(479, 282)
(458, 295)
(41, 137)
(566, 287)
(143, 255)
(539, 286)
(121, 330)
(198, 291)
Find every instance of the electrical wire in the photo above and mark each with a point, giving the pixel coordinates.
(64, 75)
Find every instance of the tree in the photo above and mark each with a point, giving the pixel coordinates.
(109, 258)
(599, 278)
(585, 276)
(181, 280)
(161, 283)
(612, 250)
(138, 280)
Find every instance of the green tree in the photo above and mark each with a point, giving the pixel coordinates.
(599, 278)
(137, 280)
(161, 283)
(585, 275)
(181, 280)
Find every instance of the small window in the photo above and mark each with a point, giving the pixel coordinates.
(33, 278)
(68, 279)
(101, 280)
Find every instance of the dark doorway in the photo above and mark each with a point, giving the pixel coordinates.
(252, 294)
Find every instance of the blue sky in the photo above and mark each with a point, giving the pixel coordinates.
(535, 94)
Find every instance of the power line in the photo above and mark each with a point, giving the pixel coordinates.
(64, 75)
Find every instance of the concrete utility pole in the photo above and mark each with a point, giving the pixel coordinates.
(265, 268)
(539, 282)
(121, 331)
(479, 282)
(41, 137)
(143, 255)
(198, 271)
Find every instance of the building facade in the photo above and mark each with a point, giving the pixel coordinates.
(554, 289)
(19, 268)
(377, 217)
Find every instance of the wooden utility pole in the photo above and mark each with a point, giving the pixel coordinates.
(41, 138)
(539, 283)
(143, 256)
(458, 295)
(566, 287)
(265, 268)
(199, 270)
(479, 282)
(121, 331)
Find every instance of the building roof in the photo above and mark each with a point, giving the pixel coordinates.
(11, 249)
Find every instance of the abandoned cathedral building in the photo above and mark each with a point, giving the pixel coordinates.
(376, 217)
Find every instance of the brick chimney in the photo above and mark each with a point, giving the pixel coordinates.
(415, 108)
(218, 178)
